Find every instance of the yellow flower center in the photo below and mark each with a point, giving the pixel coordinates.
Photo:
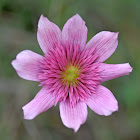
(70, 75)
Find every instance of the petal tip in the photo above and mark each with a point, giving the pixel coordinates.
(42, 17)
(111, 34)
(129, 67)
(114, 109)
(117, 34)
(76, 129)
(107, 113)
(13, 63)
(77, 15)
(26, 115)
(42, 20)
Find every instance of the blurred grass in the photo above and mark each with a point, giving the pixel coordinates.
(18, 26)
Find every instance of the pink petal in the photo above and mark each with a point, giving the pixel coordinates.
(26, 65)
(105, 42)
(75, 32)
(41, 103)
(111, 71)
(103, 102)
(48, 34)
(73, 117)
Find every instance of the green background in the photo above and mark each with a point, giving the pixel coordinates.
(18, 26)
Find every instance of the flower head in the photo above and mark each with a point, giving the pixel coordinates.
(71, 71)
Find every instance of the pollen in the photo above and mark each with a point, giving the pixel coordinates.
(70, 75)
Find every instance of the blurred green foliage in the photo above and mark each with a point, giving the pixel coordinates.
(18, 26)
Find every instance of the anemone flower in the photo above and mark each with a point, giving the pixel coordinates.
(71, 71)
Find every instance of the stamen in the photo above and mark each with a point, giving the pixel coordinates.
(70, 75)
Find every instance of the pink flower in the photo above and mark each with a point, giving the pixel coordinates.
(71, 71)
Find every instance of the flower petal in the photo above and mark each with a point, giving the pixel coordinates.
(103, 101)
(48, 34)
(41, 103)
(73, 117)
(75, 32)
(26, 65)
(111, 71)
(105, 42)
